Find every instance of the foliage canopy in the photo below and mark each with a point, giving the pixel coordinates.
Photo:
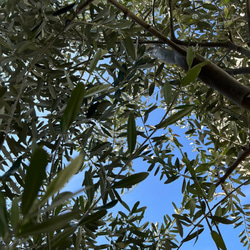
(77, 77)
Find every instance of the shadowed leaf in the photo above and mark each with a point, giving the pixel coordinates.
(131, 133)
(73, 106)
(131, 180)
(34, 178)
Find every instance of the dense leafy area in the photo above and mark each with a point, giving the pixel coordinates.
(76, 78)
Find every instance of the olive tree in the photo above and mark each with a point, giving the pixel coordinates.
(75, 80)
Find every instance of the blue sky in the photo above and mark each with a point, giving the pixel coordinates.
(158, 197)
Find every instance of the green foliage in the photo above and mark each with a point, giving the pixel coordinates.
(34, 179)
(76, 79)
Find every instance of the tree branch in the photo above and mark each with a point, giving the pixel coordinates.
(248, 19)
(173, 38)
(239, 71)
(241, 157)
(227, 44)
(210, 74)
(34, 61)
(216, 205)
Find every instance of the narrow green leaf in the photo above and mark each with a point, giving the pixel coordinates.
(95, 60)
(151, 88)
(192, 74)
(63, 177)
(34, 178)
(3, 90)
(96, 90)
(73, 106)
(55, 223)
(131, 133)
(190, 56)
(222, 220)
(12, 170)
(88, 182)
(193, 235)
(64, 9)
(131, 180)
(107, 206)
(129, 46)
(218, 240)
(4, 44)
(92, 217)
(159, 70)
(211, 192)
(179, 227)
(58, 239)
(209, 6)
(176, 117)
(3, 218)
(14, 213)
(167, 93)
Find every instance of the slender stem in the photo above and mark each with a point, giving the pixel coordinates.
(34, 61)
(215, 206)
(241, 157)
(130, 159)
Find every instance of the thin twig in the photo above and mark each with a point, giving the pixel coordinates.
(215, 206)
(210, 74)
(227, 44)
(153, 12)
(239, 71)
(34, 61)
(241, 157)
(171, 21)
(130, 159)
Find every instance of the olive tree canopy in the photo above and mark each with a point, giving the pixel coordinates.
(76, 78)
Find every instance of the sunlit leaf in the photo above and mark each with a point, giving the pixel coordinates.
(192, 74)
(96, 90)
(63, 177)
(176, 117)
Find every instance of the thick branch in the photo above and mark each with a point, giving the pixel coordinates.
(248, 18)
(210, 74)
(241, 157)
